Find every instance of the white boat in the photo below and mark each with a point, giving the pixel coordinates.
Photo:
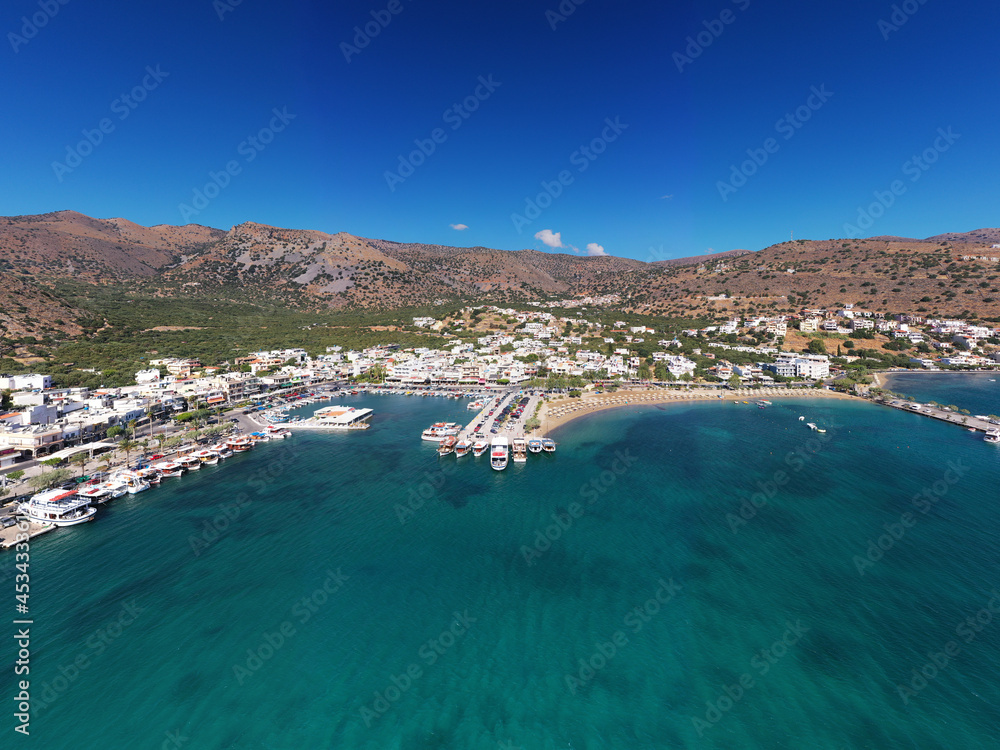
(95, 493)
(811, 426)
(223, 450)
(480, 447)
(535, 445)
(548, 445)
(206, 456)
(439, 431)
(134, 484)
(239, 444)
(992, 436)
(115, 486)
(802, 419)
(520, 446)
(189, 462)
(462, 447)
(169, 468)
(58, 507)
(498, 453)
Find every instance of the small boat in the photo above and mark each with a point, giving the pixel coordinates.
(58, 507)
(802, 419)
(548, 445)
(116, 487)
(189, 462)
(992, 436)
(462, 447)
(447, 445)
(206, 456)
(440, 430)
(97, 493)
(498, 453)
(479, 447)
(223, 450)
(134, 484)
(148, 474)
(535, 445)
(811, 426)
(169, 468)
(520, 450)
(239, 444)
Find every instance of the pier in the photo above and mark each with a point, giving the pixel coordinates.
(970, 422)
(512, 428)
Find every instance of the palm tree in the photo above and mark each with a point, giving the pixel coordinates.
(80, 459)
(160, 440)
(131, 428)
(127, 446)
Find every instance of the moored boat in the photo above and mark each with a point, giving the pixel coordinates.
(520, 450)
(189, 462)
(992, 436)
(447, 445)
(169, 468)
(480, 446)
(58, 507)
(548, 445)
(535, 445)
(96, 493)
(462, 447)
(439, 431)
(498, 453)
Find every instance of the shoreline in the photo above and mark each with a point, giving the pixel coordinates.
(555, 414)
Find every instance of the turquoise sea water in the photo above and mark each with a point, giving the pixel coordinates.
(436, 632)
(979, 392)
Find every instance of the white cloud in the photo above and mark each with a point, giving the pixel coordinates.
(594, 249)
(666, 197)
(550, 238)
(459, 227)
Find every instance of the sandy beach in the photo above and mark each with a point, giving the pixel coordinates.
(557, 413)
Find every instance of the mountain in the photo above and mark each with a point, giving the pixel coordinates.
(41, 256)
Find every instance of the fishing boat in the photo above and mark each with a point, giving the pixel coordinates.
(480, 446)
(498, 453)
(520, 450)
(462, 447)
(535, 445)
(58, 507)
(447, 445)
(548, 445)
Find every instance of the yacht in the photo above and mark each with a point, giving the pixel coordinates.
(58, 507)
(498, 453)
(462, 447)
(535, 445)
(447, 445)
(548, 445)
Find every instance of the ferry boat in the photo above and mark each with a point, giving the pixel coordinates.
(462, 447)
(169, 468)
(447, 445)
(58, 507)
(520, 450)
(548, 445)
(992, 436)
(439, 431)
(479, 447)
(535, 445)
(498, 453)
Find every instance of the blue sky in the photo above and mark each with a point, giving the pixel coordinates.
(605, 128)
